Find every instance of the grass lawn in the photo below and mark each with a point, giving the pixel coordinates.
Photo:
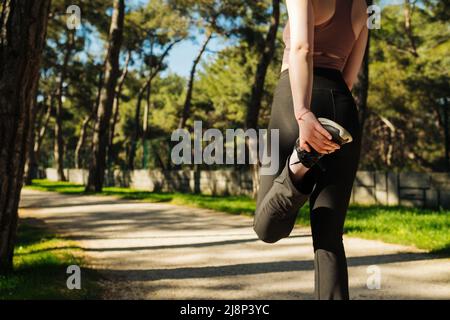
(423, 228)
(40, 262)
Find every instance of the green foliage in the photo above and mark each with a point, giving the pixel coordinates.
(406, 87)
(409, 76)
(222, 89)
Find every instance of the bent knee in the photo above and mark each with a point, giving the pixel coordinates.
(265, 235)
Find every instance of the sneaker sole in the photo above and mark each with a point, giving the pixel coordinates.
(343, 133)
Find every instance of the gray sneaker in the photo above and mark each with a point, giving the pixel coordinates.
(339, 135)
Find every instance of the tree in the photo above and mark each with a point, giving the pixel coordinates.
(155, 68)
(59, 140)
(361, 88)
(116, 108)
(60, 82)
(151, 36)
(101, 130)
(407, 92)
(37, 132)
(268, 50)
(190, 87)
(206, 15)
(85, 97)
(23, 27)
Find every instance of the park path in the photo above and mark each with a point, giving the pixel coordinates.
(164, 251)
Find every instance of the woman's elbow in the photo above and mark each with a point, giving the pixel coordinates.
(302, 49)
(349, 84)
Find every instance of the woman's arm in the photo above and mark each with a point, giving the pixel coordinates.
(354, 60)
(301, 24)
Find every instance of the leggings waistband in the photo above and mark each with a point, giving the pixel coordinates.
(327, 78)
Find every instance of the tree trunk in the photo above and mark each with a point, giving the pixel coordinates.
(251, 120)
(408, 8)
(42, 130)
(446, 136)
(84, 127)
(23, 26)
(59, 140)
(135, 136)
(81, 141)
(158, 158)
(100, 138)
(116, 105)
(361, 88)
(187, 101)
(187, 104)
(31, 162)
(145, 125)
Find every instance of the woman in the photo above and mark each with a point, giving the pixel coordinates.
(319, 133)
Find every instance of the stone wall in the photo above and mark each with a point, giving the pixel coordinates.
(431, 190)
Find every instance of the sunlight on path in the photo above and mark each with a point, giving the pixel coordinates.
(163, 251)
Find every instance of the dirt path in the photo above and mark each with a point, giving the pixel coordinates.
(163, 251)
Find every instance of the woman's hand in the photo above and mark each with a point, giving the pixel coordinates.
(313, 134)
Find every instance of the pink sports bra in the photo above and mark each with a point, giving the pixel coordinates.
(333, 39)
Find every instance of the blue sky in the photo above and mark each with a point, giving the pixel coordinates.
(181, 57)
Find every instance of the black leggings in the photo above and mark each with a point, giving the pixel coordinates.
(330, 197)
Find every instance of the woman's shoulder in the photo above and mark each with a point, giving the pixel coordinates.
(359, 8)
(359, 14)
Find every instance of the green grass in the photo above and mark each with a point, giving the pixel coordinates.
(230, 204)
(424, 228)
(40, 262)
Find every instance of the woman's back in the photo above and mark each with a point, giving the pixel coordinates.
(333, 38)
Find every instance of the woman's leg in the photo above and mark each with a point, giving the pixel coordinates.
(331, 194)
(279, 188)
(281, 118)
(329, 203)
